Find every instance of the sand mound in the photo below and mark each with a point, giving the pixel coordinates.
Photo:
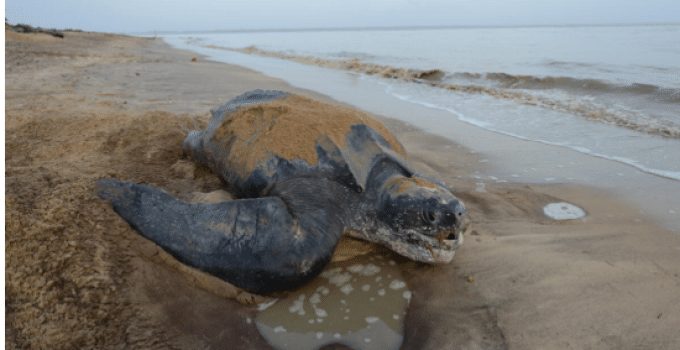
(70, 259)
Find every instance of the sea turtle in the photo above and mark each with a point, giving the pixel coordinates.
(305, 172)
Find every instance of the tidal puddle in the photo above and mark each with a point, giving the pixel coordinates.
(360, 303)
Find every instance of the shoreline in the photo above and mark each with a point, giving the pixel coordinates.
(96, 105)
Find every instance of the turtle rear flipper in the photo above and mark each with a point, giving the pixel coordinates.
(261, 245)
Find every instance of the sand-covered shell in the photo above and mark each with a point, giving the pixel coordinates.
(253, 145)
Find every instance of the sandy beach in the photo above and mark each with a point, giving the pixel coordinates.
(96, 105)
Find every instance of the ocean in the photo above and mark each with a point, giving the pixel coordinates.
(606, 92)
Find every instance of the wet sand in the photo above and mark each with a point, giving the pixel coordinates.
(96, 105)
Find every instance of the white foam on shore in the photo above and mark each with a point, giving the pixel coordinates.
(669, 174)
(397, 284)
(266, 305)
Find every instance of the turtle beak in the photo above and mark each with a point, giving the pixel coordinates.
(454, 233)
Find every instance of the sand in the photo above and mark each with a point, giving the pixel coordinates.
(77, 276)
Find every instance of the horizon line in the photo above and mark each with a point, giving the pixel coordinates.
(395, 28)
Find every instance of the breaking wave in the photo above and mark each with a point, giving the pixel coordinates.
(351, 64)
(509, 87)
(511, 81)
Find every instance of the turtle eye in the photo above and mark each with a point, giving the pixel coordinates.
(430, 216)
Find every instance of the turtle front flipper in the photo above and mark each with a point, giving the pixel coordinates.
(261, 245)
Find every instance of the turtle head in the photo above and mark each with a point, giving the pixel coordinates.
(420, 218)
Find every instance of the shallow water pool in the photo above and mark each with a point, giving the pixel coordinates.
(361, 303)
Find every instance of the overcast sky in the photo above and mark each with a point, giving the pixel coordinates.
(185, 15)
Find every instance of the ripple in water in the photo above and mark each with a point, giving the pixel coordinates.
(360, 303)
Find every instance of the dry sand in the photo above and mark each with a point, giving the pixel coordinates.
(94, 105)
